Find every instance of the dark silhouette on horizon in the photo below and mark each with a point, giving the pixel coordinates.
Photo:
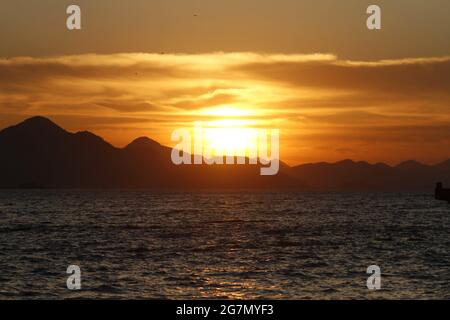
(441, 193)
(37, 153)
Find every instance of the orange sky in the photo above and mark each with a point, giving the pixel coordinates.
(377, 96)
(410, 28)
(327, 109)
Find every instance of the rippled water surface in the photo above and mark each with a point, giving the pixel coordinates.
(141, 245)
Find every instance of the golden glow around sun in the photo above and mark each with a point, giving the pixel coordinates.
(230, 131)
(228, 111)
(231, 141)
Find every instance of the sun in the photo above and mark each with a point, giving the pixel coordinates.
(230, 132)
(230, 141)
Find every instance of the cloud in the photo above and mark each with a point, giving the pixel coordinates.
(189, 81)
(399, 77)
(363, 118)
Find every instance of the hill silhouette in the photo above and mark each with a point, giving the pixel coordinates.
(38, 153)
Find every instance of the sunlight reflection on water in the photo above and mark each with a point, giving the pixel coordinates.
(137, 244)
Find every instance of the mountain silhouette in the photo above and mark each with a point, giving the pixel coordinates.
(37, 153)
(412, 165)
(348, 175)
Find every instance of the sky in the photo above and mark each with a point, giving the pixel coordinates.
(309, 68)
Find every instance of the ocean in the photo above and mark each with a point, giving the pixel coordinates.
(219, 245)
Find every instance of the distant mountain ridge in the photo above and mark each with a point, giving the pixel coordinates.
(361, 176)
(38, 153)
